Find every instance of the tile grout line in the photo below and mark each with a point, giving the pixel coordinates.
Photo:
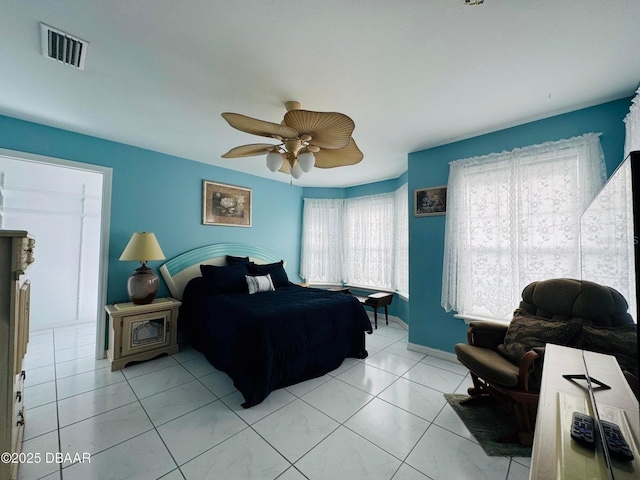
(55, 378)
(296, 397)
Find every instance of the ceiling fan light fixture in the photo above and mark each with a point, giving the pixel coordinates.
(274, 161)
(306, 161)
(307, 139)
(296, 171)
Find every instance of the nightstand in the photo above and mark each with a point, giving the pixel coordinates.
(142, 332)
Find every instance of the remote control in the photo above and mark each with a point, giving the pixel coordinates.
(582, 429)
(617, 445)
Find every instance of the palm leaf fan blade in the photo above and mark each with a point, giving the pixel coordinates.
(327, 129)
(258, 127)
(349, 155)
(250, 150)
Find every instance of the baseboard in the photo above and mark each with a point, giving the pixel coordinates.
(399, 321)
(433, 352)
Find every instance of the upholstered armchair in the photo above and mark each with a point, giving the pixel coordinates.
(506, 361)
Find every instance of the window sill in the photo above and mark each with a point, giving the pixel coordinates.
(325, 286)
(404, 296)
(475, 318)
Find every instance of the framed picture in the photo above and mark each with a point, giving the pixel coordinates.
(430, 201)
(225, 205)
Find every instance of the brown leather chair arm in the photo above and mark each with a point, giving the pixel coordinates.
(486, 334)
(528, 367)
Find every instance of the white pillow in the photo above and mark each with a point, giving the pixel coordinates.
(262, 283)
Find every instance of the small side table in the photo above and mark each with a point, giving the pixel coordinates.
(375, 301)
(142, 332)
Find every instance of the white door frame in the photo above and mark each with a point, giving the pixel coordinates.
(103, 267)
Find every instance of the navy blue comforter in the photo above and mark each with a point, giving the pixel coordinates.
(273, 339)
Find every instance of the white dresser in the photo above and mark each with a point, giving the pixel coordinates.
(555, 455)
(16, 254)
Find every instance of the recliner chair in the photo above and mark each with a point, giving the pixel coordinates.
(506, 361)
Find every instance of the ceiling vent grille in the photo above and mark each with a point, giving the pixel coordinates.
(62, 47)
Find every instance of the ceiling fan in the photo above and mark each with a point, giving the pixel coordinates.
(307, 139)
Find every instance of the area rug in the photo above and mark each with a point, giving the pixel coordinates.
(488, 420)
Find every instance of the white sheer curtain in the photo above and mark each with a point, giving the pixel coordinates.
(361, 241)
(322, 240)
(608, 238)
(401, 246)
(514, 217)
(369, 237)
(632, 125)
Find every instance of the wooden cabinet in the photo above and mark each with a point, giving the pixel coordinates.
(16, 254)
(141, 332)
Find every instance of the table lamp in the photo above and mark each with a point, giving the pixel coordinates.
(142, 285)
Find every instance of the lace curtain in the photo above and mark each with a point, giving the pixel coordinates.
(401, 247)
(368, 229)
(608, 239)
(322, 240)
(358, 241)
(514, 217)
(632, 125)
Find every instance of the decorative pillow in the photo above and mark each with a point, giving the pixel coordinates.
(259, 283)
(621, 342)
(231, 260)
(227, 279)
(276, 270)
(527, 331)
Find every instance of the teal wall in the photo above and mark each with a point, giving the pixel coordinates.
(429, 324)
(385, 186)
(319, 192)
(174, 187)
(163, 194)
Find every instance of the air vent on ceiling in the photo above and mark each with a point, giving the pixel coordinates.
(62, 47)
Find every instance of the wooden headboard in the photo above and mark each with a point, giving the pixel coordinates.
(179, 270)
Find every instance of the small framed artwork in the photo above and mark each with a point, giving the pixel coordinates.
(228, 205)
(430, 201)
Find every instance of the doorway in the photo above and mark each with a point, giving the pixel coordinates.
(65, 206)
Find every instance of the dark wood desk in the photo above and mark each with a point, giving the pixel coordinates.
(376, 301)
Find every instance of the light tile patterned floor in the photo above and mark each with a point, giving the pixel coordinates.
(178, 418)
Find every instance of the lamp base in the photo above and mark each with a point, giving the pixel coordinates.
(142, 285)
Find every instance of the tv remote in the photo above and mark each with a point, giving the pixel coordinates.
(582, 429)
(617, 445)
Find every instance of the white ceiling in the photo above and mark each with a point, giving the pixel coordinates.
(412, 74)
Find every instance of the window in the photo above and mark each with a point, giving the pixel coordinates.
(401, 249)
(632, 126)
(322, 241)
(608, 241)
(368, 229)
(358, 241)
(514, 218)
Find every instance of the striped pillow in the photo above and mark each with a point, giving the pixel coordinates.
(262, 283)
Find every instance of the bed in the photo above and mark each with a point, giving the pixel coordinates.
(277, 336)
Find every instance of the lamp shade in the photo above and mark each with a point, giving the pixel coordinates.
(143, 246)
